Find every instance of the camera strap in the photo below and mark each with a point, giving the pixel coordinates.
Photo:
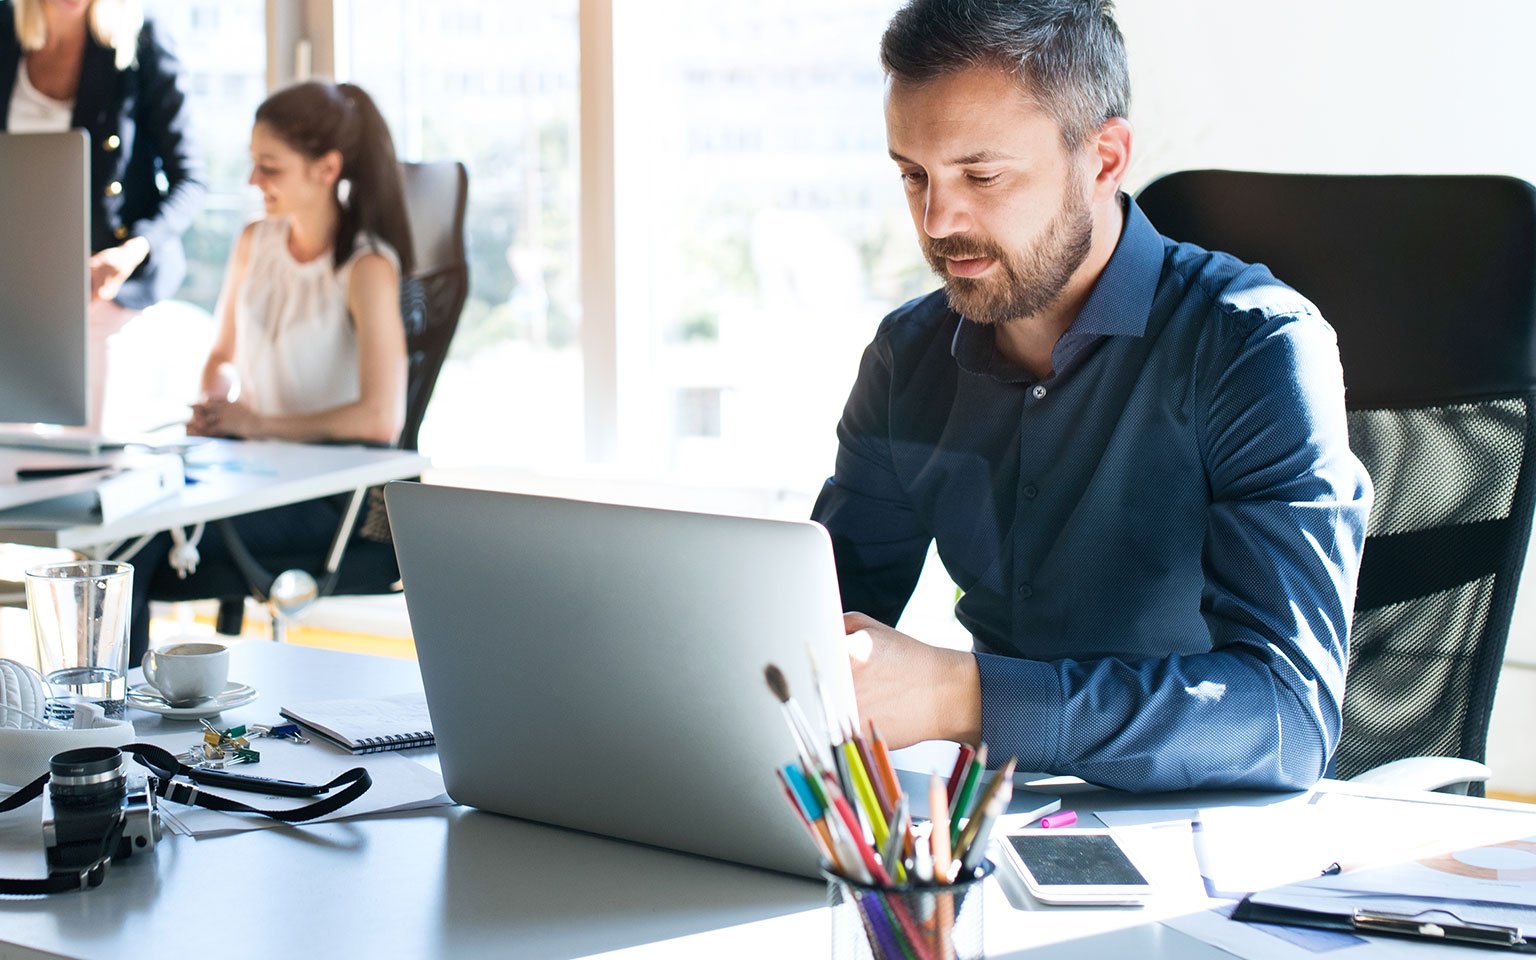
(58, 882)
(164, 765)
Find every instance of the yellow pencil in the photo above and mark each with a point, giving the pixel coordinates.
(866, 794)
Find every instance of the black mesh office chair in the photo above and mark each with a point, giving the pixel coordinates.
(432, 299)
(1430, 282)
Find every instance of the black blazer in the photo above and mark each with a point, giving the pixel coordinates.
(138, 126)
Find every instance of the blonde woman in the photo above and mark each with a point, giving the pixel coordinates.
(100, 66)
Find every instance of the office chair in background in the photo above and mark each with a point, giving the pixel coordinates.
(432, 298)
(1430, 282)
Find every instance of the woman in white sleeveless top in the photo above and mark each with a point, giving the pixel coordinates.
(310, 344)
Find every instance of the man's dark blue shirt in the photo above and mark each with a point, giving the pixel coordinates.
(1157, 543)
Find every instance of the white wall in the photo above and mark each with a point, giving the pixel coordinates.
(1349, 86)
(1332, 86)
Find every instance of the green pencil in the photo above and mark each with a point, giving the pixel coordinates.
(961, 809)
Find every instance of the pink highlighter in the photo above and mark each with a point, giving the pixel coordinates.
(1064, 818)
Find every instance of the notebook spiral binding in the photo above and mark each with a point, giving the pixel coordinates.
(398, 741)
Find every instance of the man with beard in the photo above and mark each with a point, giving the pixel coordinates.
(1131, 452)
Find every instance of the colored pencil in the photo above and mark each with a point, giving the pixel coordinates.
(865, 795)
(988, 817)
(973, 822)
(882, 757)
(813, 827)
(956, 776)
(962, 805)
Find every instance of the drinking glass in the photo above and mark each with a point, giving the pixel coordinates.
(80, 614)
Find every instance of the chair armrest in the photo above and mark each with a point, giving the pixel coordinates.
(1446, 774)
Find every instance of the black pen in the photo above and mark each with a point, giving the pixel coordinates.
(241, 781)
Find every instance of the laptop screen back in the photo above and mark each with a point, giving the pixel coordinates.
(600, 667)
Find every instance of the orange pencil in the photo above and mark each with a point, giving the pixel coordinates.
(882, 758)
(943, 871)
(938, 835)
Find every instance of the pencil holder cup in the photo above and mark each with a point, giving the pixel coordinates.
(925, 921)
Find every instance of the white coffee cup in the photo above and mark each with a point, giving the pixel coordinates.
(188, 670)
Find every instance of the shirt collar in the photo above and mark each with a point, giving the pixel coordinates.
(1118, 306)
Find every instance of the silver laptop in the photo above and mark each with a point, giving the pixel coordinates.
(45, 282)
(601, 667)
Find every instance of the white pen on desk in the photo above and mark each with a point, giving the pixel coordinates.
(1203, 860)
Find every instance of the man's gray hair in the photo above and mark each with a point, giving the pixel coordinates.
(1068, 54)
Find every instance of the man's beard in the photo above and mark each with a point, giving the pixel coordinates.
(1025, 284)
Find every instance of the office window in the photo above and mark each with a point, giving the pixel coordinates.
(494, 84)
(762, 233)
(221, 45)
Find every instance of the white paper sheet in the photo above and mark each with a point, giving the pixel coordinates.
(399, 783)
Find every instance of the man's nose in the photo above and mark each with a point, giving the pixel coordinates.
(944, 213)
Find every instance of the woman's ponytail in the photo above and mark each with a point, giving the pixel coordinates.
(316, 117)
(375, 203)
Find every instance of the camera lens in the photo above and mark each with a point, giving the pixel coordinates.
(89, 775)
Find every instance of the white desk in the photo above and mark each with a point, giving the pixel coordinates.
(451, 882)
(226, 478)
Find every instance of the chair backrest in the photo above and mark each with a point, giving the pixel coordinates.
(432, 297)
(1430, 283)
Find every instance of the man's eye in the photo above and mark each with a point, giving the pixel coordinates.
(980, 180)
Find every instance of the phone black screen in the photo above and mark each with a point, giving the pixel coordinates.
(1067, 859)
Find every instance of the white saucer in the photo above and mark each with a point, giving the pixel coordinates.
(234, 695)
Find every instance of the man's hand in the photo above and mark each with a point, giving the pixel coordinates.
(112, 266)
(912, 691)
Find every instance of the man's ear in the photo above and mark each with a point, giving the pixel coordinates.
(1110, 150)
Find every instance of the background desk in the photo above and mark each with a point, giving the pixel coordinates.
(226, 478)
(455, 883)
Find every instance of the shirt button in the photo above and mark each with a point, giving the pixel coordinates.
(112, 142)
(121, 233)
(1030, 491)
(114, 188)
(1037, 391)
(1026, 591)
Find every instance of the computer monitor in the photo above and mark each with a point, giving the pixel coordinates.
(45, 277)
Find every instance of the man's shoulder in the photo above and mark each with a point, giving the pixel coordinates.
(1247, 293)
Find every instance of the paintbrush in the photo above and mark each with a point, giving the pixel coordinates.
(810, 755)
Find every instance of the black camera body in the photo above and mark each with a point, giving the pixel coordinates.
(96, 810)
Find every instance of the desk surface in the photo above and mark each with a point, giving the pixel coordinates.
(455, 883)
(225, 478)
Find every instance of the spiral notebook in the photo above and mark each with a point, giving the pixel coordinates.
(370, 725)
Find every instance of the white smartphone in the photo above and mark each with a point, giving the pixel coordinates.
(1075, 866)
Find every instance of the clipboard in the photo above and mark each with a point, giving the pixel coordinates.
(1483, 896)
(1439, 924)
